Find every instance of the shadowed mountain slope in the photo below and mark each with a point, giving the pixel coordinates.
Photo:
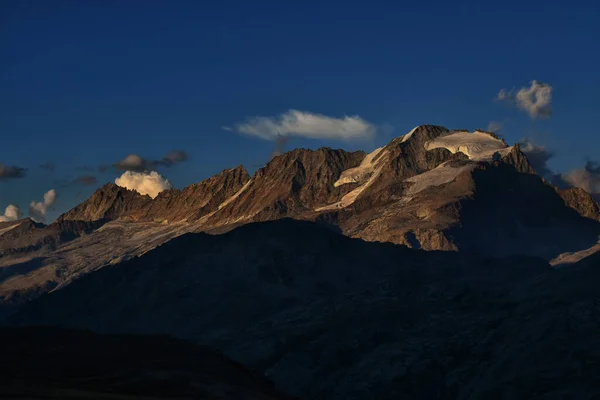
(51, 363)
(330, 317)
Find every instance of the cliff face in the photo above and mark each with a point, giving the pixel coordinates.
(195, 201)
(582, 202)
(292, 184)
(28, 235)
(110, 202)
(518, 160)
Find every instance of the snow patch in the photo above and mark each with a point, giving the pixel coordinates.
(4, 230)
(358, 174)
(565, 259)
(409, 134)
(444, 173)
(235, 196)
(224, 204)
(478, 146)
(351, 197)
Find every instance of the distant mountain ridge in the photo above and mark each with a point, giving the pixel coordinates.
(431, 189)
(111, 202)
(413, 191)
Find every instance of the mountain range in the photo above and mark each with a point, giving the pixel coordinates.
(416, 269)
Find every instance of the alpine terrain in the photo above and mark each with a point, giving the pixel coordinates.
(439, 266)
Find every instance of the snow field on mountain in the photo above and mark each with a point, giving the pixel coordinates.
(478, 146)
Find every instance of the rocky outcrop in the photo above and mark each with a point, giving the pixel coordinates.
(290, 185)
(582, 202)
(108, 203)
(518, 160)
(195, 201)
(29, 235)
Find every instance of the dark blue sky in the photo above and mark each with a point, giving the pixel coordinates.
(84, 83)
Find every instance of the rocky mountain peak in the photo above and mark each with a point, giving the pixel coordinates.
(290, 185)
(518, 160)
(107, 203)
(419, 135)
(197, 200)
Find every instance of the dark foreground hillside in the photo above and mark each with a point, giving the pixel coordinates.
(52, 363)
(329, 317)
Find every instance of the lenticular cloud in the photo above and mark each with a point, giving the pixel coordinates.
(307, 125)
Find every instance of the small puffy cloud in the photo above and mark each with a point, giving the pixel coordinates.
(135, 163)
(12, 213)
(307, 125)
(11, 171)
(150, 183)
(535, 100)
(38, 209)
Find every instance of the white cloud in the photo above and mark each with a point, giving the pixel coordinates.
(308, 125)
(12, 213)
(151, 183)
(38, 209)
(535, 100)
